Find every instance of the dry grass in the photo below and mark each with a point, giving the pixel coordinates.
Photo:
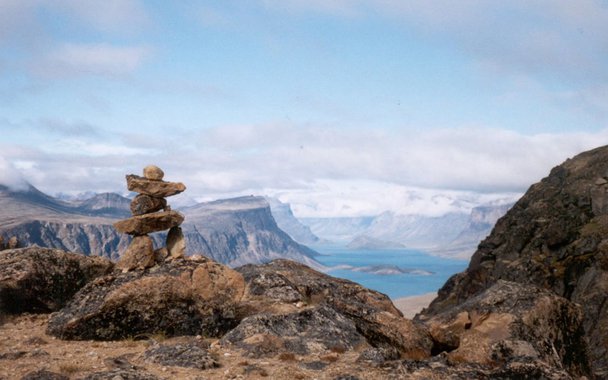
(69, 368)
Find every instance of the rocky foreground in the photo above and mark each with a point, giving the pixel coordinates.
(531, 305)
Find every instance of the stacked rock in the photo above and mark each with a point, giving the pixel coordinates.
(147, 218)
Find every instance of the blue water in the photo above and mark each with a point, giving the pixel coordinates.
(397, 285)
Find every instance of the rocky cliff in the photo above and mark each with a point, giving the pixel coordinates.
(289, 223)
(236, 231)
(554, 238)
(239, 231)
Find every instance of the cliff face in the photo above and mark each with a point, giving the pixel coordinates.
(234, 232)
(555, 237)
(239, 231)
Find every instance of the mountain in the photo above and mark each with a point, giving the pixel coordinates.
(111, 205)
(416, 231)
(555, 239)
(239, 231)
(480, 223)
(338, 230)
(452, 235)
(289, 223)
(366, 242)
(235, 232)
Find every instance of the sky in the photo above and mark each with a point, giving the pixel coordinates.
(339, 107)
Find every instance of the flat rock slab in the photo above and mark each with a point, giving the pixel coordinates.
(41, 280)
(154, 188)
(148, 223)
(184, 297)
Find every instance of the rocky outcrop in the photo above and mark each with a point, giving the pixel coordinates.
(42, 280)
(183, 297)
(275, 287)
(511, 322)
(556, 238)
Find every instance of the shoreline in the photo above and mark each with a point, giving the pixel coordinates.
(412, 305)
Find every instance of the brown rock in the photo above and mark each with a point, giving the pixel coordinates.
(183, 297)
(145, 204)
(176, 244)
(160, 255)
(154, 188)
(41, 280)
(512, 323)
(145, 224)
(139, 254)
(153, 172)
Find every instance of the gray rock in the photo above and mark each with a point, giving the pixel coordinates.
(190, 355)
(44, 375)
(309, 331)
(42, 280)
(121, 374)
(373, 314)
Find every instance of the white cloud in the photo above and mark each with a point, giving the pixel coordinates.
(10, 176)
(91, 59)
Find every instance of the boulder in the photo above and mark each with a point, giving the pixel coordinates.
(311, 331)
(139, 255)
(284, 282)
(145, 224)
(42, 280)
(155, 188)
(189, 355)
(183, 297)
(153, 172)
(512, 323)
(145, 204)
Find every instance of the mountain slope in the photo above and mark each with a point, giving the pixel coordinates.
(239, 231)
(235, 232)
(289, 223)
(555, 237)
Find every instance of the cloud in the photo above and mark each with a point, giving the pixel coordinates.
(321, 170)
(90, 59)
(10, 176)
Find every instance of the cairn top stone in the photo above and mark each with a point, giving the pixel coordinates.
(153, 172)
(147, 223)
(155, 188)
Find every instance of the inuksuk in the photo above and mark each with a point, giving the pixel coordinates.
(147, 218)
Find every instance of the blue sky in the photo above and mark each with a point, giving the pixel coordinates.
(339, 107)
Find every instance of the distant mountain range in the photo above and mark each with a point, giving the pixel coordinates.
(234, 231)
(452, 234)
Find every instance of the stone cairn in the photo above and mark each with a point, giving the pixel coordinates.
(148, 217)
